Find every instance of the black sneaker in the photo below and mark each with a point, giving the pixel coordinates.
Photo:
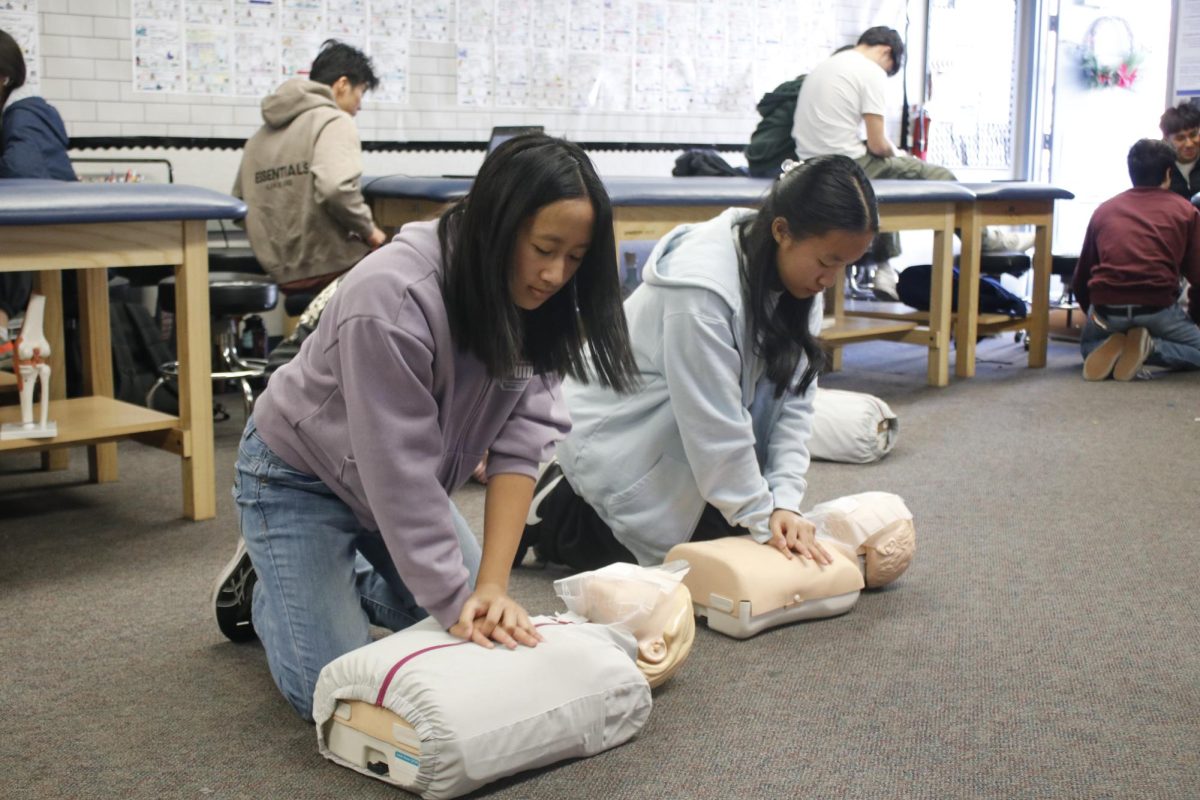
(546, 482)
(232, 596)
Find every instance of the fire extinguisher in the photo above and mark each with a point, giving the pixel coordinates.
(920, 131)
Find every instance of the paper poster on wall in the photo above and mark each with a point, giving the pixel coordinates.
(256, 62)
(550, 23)
(651, 39)
(390, 19)
(515, 25)
(475, 20)
(391, 67)
(258, 14)
(208, 61)
(549, 89)
(679, 81)
(302, 16)
(586, 30)
(647, 83)
(296, 53)
(1187, 49)
(158, 55)
(474, 74)
(21, 22)
(431, 20)
(346, 21)
(513, 67)
(620, 25)
(206, 12)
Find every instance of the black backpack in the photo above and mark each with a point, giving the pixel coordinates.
(138, 350)
(913, 289)
(704, 161)
(771, 143)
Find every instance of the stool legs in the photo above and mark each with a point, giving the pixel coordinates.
(229, 366)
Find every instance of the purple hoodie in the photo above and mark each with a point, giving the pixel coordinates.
(384, 409)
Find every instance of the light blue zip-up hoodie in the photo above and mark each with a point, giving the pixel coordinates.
(705, 425)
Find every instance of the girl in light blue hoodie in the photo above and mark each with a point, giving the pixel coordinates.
(714, 441)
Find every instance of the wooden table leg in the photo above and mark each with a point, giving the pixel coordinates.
(940, 298)
(967, 330)
(1039, 322)
(194, 344)
(96, 348)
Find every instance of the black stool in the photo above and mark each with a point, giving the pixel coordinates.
(231, 295)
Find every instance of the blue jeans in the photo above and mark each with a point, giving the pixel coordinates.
(322, 577)
(1175, 337)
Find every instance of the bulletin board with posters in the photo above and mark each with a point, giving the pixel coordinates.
(660, 58)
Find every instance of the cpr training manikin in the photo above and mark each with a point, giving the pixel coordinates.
(419, 708)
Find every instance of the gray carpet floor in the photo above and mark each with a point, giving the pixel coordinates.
(1043, 644)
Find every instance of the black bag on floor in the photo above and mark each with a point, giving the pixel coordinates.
(138, 350)
(704, 161)
(913, 289)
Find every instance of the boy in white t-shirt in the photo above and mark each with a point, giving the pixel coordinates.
(847, 93)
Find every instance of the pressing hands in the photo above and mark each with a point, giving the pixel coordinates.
(791, 532)
(490, 615)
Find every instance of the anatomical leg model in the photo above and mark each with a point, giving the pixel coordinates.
(30, 353)
(742, 587)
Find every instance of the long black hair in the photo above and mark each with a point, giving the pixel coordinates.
(478, 235)
(823, 194)
(12, 67)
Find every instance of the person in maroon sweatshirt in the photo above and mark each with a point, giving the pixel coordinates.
(1137, 247)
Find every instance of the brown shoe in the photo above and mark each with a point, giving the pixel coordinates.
(1100, 362)
(1138, 347)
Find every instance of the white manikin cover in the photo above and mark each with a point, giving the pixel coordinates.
(483, 714)
(851, 427)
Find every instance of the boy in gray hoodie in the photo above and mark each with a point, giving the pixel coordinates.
(300, 175)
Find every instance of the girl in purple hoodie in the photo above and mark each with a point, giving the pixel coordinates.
(447, 343)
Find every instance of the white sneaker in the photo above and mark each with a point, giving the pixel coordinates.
(884, 284)
(996, 240)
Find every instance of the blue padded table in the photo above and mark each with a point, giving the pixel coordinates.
(1005, 203)
(647, 208)
(49, 226)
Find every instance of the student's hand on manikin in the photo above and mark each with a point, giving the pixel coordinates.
(791, 532)
(490, 615)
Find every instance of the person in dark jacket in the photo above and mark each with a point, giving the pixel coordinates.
(1180, 128)
(33, 144)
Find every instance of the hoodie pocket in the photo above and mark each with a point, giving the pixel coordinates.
(658, 506)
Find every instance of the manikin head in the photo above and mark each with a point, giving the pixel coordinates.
(345, 70)
(658, 614)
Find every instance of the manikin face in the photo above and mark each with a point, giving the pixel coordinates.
(1186, 144)
(664, 627)
(811, 265)
(348, 96)
(550, 247)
